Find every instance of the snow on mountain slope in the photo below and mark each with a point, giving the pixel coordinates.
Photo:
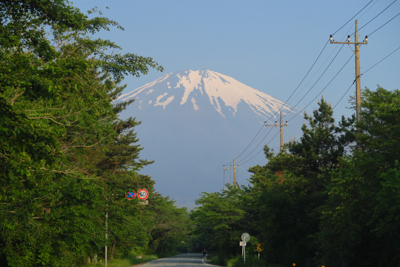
(187, 86)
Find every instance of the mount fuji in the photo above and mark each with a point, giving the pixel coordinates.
(194, 122)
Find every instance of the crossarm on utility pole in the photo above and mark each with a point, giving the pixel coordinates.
(357, 44)
(280, 128)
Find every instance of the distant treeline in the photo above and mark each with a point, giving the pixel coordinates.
(321, 198)
(64, 152)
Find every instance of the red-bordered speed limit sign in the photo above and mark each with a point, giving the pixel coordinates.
(143, 194)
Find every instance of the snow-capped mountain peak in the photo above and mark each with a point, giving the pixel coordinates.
(190, 87)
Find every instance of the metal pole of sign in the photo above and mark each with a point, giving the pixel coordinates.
(144, 202)
(105, 246)
(244, 252)
(245, 238)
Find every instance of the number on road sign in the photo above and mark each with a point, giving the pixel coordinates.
(143, 194)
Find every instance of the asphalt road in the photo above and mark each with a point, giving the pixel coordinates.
(183, 260)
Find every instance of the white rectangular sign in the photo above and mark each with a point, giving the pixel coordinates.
(242, 244)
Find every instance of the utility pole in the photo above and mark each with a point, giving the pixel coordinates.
(234, 172)
(235, 167)
(281, 128)
(105, 247)
(357, 79)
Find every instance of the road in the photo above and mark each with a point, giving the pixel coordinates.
(183, 260)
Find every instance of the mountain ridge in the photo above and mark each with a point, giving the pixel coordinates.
(220, 89)
(190, 135)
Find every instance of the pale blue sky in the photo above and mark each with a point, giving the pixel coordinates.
(268, 45)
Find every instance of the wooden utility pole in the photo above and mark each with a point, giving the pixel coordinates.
(235, 167)
(281, 128)
(357, 79)
(234, 172)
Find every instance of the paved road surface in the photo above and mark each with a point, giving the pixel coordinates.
(183, 260)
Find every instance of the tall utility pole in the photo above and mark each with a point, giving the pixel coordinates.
(105, 247)
(357, 79)
(281, 128)
(234, 172)
(235, 167)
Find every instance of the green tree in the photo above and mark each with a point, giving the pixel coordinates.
(293, 186)
(219, 221)
(360, 220)
(56, 89)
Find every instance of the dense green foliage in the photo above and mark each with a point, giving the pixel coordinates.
(64, 153)
(319, 198)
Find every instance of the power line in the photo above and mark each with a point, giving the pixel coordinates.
(368, 9)
(376, 16)
(296, 88)
(319, 57)
(324, 87)
(241, 162)
(260, 150)
(348, 89)
(283, 104)
(312, 66)
(302, 79)
(381, 60)
(247, 145)
(363, 74)
(384, 24)
(317, 81)
(345, 35)
(353, 17)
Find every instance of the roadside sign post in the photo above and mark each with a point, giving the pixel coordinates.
(259, 249)
(142, 194)
(245, 238)
(244, 252)
(105, 247)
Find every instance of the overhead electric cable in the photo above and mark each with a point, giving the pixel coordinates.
(380, 61)
(302, 81)
(368, 9)
(292, 95)
(333, 51)
(348, 89)
(241, 162)
(324, 87)
(375, 16)
(384, 24)
(353, 17)
(363, 74)
(247, 145)
(318, 58)
(260, 150)
(317, 80)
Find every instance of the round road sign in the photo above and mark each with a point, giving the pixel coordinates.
(245, 237)
(143, 194)
(131, 195)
